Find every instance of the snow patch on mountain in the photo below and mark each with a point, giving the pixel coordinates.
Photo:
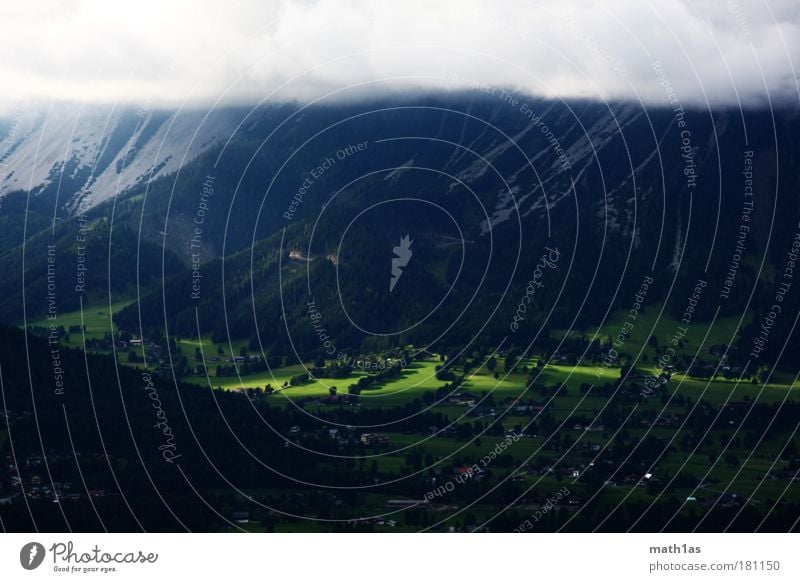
(94, 154)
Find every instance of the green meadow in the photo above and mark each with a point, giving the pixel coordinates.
(420, 377)
(209, 348)
(415, 380)
(699, 335)
(96, 317)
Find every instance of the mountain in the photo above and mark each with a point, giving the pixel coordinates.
(475, 227)
(281, 205)
(90, 154)
(623, 192)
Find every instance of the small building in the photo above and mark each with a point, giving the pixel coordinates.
(462, 399)
(481, 411)
(374, 438)
(406, 502)
(240, 517)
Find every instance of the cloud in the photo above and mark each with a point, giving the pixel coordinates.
(165, 53)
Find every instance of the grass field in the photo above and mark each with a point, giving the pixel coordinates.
(421, 376)
(97, 318)
(275, 378)
(415, 380)
(663, 327)
(715, 391)
(209, 348)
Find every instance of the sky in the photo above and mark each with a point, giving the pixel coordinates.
(166, 53)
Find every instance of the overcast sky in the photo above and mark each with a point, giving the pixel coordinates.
(165, 52)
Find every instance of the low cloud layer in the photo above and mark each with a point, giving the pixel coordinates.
(154, 53)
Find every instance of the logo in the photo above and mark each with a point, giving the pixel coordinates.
(400, 260)
(31, 555)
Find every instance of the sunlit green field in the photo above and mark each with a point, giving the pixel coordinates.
(421, 376)
(416, 379)
(275, 378)
(209, 348)
(716, 391)
(97, 318)
(700, 335)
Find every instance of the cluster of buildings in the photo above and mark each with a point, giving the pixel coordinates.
(29, 478)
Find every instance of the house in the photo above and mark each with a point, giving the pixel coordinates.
(374, 438)
(729, 500)
(240, 517)
(462, 399)
(480, 411)
(406, 502)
